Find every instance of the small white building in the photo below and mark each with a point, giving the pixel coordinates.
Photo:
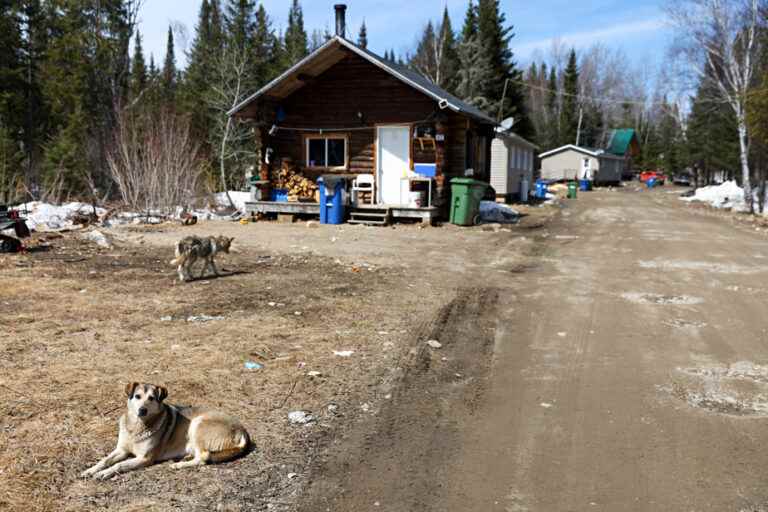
(512, 159)
(576, 163)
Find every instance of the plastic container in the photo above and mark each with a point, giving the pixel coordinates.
(524, 191)
(572, 187)
(650, 183)
(466, 195)
(541, 189)
(428, 170)
(585, 185)
(417, 199)
(279, 195)
(332, 207)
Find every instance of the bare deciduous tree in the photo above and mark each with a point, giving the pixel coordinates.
(155, 162)
(719, 41)
(232, 136)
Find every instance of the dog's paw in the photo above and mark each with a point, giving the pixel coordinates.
(87, 473)
(104, 475)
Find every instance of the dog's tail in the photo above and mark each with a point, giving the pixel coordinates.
(238, 446)
(180, 258)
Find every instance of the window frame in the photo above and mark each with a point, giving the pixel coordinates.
(326, 138)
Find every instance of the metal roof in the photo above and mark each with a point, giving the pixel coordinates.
(405, 75)
(621, 141)
(597, 153)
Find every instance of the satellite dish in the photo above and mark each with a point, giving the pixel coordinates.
(507, 123)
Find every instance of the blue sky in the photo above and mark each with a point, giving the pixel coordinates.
(637, 26)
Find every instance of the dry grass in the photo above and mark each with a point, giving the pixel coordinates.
(79, 322)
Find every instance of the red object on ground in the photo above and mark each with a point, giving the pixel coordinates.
(646, 175)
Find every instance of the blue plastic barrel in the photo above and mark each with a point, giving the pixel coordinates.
(585, 185)
(650, 183)
(332, 208)
(541, 189)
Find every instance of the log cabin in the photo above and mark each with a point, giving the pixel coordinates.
(344, 111)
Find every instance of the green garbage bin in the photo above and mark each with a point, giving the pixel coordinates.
(572, 188)
(466, 195)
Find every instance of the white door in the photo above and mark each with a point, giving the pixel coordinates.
(586, 171)
(393, 160)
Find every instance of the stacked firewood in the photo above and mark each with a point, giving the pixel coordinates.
(299, 188)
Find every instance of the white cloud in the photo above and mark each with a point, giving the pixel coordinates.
(578, 39)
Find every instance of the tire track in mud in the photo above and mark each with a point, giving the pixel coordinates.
(399, 462)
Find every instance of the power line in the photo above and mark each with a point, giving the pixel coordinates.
(594, 99)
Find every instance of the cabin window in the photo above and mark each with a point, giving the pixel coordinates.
(327, 152)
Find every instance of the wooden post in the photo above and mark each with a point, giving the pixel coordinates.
(441, 134)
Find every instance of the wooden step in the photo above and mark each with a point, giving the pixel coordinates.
(377, 217)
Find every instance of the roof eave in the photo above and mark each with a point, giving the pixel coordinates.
(442, 101)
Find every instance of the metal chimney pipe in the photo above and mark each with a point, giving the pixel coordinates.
(341, 19)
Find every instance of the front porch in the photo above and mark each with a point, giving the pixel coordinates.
(377, 214)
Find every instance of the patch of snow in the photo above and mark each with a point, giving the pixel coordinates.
(49, 217)
(343, 353)
(238, 198)
(727, 195)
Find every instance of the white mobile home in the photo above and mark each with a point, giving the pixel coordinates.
(573, 162)
(512, 160)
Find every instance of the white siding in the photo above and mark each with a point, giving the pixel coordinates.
(510, 161)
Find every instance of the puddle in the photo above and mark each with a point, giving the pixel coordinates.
(654, 298)
(740, 389)
(721, 268)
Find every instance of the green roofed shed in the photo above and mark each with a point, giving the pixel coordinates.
(623, 142)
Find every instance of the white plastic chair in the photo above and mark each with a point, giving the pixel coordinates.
(363, 183)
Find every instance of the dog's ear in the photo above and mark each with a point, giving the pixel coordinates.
(130, 387)
(231, 239)
(162, 393)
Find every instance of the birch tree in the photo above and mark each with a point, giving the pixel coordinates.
(233, 137)
(722, 35)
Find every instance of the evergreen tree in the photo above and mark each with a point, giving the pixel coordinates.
(138, 68)
(424, 59)
(295, 36)
(265, 60)
(449, 56)
(475, 71)
(569, 113)
(217, 37)
(362, 38)
(239, 23)
(169, 70)
(470, 22)
(592, 126)
(712, 135)
(494, 38)
(552, 136)
(154, 96)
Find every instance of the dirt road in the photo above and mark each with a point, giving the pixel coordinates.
(622, 372)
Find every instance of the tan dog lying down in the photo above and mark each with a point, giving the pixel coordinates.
(153, 431)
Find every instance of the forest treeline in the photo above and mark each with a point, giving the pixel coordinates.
(84, 109)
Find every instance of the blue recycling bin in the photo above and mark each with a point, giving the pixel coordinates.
(585, 185)
(541, 189)
(332, 207)
(650, 183)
